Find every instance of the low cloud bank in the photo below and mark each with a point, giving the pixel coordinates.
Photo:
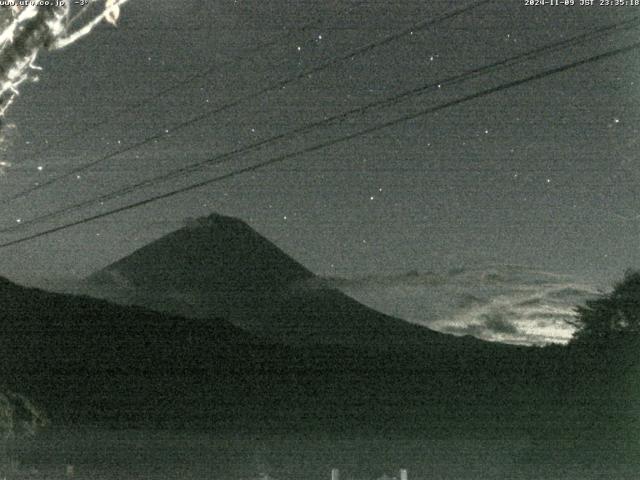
(506, 303)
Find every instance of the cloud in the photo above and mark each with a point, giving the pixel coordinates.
(490, 325)
(467, 300)
(496, 275)
(507, 303)
(499, 323)
(474, 329)
(409, 279)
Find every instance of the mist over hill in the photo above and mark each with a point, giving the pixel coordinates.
(505, 303)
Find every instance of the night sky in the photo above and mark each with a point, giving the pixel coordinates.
(544, 174)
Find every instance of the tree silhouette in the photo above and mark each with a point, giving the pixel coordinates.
(612, 319)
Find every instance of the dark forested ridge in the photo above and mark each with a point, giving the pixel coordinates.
(89, 361)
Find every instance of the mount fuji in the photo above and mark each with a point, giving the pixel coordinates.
(219, 267)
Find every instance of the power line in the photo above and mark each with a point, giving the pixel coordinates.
(159, 94)
(144, 102)
(319, 146)
(274, 86)
(387, 102)
(384, 102)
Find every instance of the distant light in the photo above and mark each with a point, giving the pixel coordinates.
(40, 167)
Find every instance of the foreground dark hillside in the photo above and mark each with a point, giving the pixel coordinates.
(87, 360)
(90, 362)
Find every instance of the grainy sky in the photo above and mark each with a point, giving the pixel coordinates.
(545, 174)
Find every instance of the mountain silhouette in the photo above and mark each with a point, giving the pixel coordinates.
(220, 267)
(83, 358)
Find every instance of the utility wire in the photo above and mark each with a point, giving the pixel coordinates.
(146, 101)
(272, 87)
(319, 146)
(387, 102)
